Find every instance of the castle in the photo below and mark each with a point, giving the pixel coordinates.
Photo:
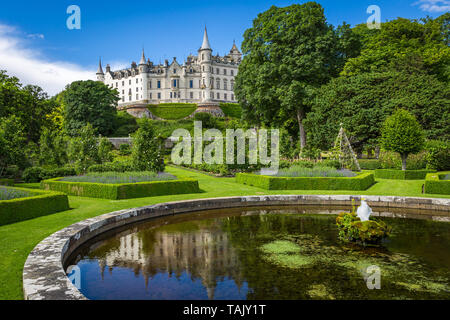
(203, 79)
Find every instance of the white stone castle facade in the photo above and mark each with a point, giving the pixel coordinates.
(202, 79)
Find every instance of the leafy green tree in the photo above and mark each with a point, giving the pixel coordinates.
(289, 52)
(13, 144)
(403, 134)
(89, 102)
(104, 150)
(363, 102)
(83, 149)
(52, 148)
(147, 152)
(401, 41)
(30, 105)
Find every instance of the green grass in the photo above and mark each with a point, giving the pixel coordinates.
(18, 240)
(173, 111)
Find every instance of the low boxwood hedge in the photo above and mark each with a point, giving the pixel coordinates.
(122, 191)
(370, 164)
(7, 182)
(41, 203)
(435, 185)
(402, 175)
(360, 182)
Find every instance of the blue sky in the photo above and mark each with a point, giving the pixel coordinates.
(36, 45)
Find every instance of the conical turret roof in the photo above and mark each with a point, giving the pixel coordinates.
(143, 61)
(205, 44)
(100, 69)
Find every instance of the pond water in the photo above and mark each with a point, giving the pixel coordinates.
(258, 253)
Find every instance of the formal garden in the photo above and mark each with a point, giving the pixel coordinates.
(58, 167)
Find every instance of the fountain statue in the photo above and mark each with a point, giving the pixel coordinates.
(364, 211)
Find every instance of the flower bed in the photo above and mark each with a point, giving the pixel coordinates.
(121, 191)
(360, 182)
(23, 204)
(402, 175)
(437, 184)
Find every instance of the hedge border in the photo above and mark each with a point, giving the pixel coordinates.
(434, 184)
(402, 175)
(43, 203)
(358, 183)
(122, 191)
(7, 182)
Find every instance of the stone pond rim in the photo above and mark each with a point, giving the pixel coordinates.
(44, 277)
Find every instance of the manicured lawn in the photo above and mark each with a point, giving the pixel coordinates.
(19, 239)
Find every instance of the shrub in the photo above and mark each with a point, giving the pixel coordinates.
(330, 163)
(392, 160)
(124, 150)
(318, 171)
(7, 182)
(366, 164)
(112, 167)
(83, 149)
(360, 182)
(231, 110)
(37, 174)
(438, 155)
(147, 154)
(124, 124)
(172, 111)
(104, 150)
(40, 203)
(435, 184)
(401, 175)
(208, 121)
(122, 191)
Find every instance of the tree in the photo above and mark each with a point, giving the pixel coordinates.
(401, 41)
(402, 133)
(289, 52)
(52, 148)
(83, 149)
(12, 143)
(89, 102)
(147, 153)
(363, 102)
(30, 105)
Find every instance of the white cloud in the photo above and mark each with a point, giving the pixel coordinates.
(433, 5)
(31, 67)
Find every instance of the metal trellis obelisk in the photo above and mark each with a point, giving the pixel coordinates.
(345, 150)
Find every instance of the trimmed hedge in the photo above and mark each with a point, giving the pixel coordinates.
(360, 182)
(231, 110)
(370, 164)
(42, 203)
(434, 184)
(402, 175)
(172, 111)
(37, 174)
(122, 191)
(7, 182)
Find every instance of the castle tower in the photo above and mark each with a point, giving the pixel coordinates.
(100, 74)
(205, 58)
(143, 70)
(235, 54)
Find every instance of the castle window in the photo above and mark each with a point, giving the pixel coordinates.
(225, 71)
(225, 96)
(137, 97)
(203, 58)
(175, 83)
(150, 96)
(192, 95)
(129, 82)
(137, 80)
(218, 84)
(123, 83)
(159, 84)
(225, 84)
(171, 95)
(191, 84)
(232, 97)
(174, 71)
(218, 96)
(159, 95)
(232, 85)
(232, 72)
(217, 71)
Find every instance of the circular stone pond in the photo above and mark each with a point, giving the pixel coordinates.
(263, 253)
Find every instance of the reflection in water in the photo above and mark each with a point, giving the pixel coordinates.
(221, 255)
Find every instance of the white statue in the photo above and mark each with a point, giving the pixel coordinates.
(364, 211)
